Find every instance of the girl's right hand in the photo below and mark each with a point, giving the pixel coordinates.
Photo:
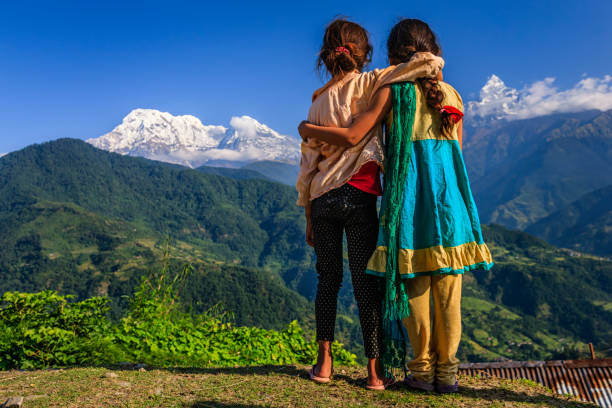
(309, 233)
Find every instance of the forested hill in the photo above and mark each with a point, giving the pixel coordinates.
(86, 222)
(254, 218)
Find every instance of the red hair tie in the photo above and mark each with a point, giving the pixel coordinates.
(455, 113)
(343, 50)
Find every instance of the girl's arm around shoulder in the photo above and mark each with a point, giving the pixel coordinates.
(421, 65)
(361, 126)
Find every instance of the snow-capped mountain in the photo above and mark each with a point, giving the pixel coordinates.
(251, 136)
(185, 140)
(496, 100)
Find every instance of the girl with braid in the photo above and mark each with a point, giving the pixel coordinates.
(339, 185)
(429, 228)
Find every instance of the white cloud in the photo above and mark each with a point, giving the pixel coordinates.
(199, 158)
(499, 101)
(233, 155)
(246, 125)
(3, 154)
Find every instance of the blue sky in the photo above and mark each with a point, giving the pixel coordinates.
(75, 69)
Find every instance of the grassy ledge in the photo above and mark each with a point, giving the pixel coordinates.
(264, 386)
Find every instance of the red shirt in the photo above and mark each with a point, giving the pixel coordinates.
(367, 179)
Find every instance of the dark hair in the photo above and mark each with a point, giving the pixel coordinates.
(408, 37)
(353, 38)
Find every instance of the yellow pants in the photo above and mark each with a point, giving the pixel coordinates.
(434, 346)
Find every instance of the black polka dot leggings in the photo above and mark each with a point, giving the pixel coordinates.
(347, 209)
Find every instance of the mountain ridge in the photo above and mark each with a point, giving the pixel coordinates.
(585, 225)
(525, 170)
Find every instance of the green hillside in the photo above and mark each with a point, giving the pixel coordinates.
(525, 170)
(585, 225)
(536, 299)
(89, 222)
(86, 222)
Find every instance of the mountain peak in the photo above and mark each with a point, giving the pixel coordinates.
(496, 100)
(186, 140)
(540, 98)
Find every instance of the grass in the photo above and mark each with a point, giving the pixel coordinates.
(265, 386)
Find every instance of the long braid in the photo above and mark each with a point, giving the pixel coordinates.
(434, 98)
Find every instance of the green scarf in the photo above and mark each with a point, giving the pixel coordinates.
(395, 302)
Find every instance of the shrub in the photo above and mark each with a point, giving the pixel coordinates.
(46, 329)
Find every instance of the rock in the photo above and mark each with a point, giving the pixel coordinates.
(34, 397)
(141, 367)
(13, 402)
(110, 374)
(124, 384)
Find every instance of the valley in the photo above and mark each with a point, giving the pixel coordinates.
(87, 222)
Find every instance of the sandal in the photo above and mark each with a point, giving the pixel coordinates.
(387, 382)
(317, 379)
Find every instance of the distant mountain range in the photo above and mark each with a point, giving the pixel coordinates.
(525, 170)
(186, 141)
(88, 222)
(522, 171)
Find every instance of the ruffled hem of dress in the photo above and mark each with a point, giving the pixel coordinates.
(434, 261)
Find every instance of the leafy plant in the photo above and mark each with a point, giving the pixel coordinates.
(47, 329)
(157, 331)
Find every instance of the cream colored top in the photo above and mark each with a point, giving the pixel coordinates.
(324, 167)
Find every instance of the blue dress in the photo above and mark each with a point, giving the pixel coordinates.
(439, 229)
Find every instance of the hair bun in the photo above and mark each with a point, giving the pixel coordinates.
(346, 47)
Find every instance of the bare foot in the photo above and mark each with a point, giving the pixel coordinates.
(324, 360)
(375, 375)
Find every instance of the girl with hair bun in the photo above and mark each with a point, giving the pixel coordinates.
(429, 231)
(339, 185)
